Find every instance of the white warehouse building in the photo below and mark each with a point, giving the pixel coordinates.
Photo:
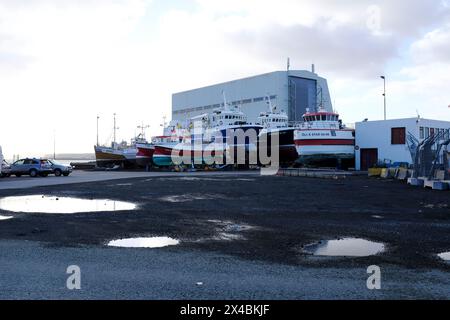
(386, 140)
(292, 91)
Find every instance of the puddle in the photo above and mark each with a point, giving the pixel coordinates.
(5, 218)
(124, 184)
(377, 217)
(348, 247)
(190, 197)
(445, 256)
(153, 242)
(51, 204)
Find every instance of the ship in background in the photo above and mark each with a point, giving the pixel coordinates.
(118, 155)
(218, 135)
(276, 126)
(322, 140)
(158, 151)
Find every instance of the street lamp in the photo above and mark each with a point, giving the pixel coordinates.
(98, 117)
(384, 95)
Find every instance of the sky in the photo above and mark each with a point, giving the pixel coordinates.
(63, 62)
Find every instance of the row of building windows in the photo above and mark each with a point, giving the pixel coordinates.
(215, 106)
(426, 132)
(398, 135)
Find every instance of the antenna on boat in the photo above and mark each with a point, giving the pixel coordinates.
(269, 102)
(143, 127)
(164, 122)
(319, 95)
(225, 103)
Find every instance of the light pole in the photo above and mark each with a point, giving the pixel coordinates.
(384, 95)
(54, 144)
(98, 117)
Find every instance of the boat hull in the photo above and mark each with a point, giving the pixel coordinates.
(200, 154)
(144, 155)
(108, 157)
(162, 156)
(315, 145)
(287, 151)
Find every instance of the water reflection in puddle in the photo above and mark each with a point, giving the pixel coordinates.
(51, 204)
(5, 218)
(348, 247)
(153, 242)
(445, 256)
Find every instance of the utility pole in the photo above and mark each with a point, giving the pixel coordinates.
(114, 135)
(98, 117)
(384, 95)
(54, 144)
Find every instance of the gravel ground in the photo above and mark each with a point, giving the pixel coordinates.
(241, 235)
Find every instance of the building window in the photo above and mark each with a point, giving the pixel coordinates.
(422, 133)
(427, 132)
(398, 135)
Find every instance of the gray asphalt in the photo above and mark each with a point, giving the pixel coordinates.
(31, 270)
(76, 177)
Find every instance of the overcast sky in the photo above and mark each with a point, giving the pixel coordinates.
(62, 62)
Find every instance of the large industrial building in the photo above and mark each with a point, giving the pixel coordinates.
(293, 91)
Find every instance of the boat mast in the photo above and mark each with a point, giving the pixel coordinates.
(143, 127)
(269, 102)
(225, 103)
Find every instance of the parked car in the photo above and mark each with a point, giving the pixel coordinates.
(32, 167)
(5, 170)
(59, 169)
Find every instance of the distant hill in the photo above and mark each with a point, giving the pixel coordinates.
(72, 156)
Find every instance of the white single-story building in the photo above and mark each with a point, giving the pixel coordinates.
(386, 140)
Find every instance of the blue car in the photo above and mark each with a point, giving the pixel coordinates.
(31, 167)
(59, 169)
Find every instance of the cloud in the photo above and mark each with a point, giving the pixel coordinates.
(87, 57)
(337, 35)
(433, 47)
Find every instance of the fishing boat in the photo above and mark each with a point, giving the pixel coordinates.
(144, 154)
(121, 154)
(163, 146)
(276, 126)
(227, 131)
(323, 138)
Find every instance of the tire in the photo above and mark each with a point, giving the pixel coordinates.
(58, 172)
(18, 175)
(33, 173)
